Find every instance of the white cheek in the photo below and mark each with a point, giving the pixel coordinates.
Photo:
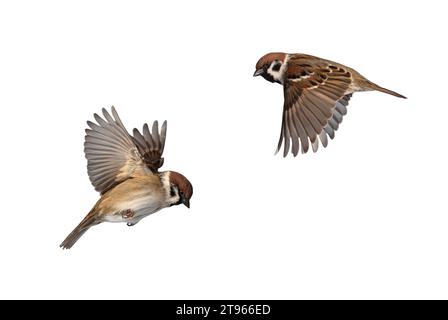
(277, 75)
(175, 199)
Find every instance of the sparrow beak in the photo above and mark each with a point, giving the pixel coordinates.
(186, 203)
(258, 72)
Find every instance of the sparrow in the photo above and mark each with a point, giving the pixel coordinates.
(124, 170)
(316, 95)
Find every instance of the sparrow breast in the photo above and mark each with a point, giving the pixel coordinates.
(143, 195)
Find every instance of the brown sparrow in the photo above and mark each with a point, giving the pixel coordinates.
(316, 92)
(124, 169)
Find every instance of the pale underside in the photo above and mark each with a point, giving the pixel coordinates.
(142, 195)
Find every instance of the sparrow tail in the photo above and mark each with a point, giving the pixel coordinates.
(89, 221)
(376, 87)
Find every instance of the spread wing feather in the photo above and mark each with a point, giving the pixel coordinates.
(316, 98)
(114, 156)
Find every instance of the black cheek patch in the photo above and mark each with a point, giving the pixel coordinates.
(277, 67)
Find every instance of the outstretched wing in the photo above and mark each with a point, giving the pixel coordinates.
(151, 145)
(316, 96)
(112, 154)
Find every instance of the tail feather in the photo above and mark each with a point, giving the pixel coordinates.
(376, 87)
(89, 221)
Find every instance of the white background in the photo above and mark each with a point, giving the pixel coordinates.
(364, 218)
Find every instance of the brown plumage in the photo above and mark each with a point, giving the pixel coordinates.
(316, 93)
(124, 169)
(267, 59)
(89, 221)
(183, 183)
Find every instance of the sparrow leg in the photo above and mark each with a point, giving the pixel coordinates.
(128, 214)
(133, 222)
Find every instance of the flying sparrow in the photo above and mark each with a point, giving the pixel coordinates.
(124, 169)
(316, 93)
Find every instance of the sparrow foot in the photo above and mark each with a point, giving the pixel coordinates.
(128, 214)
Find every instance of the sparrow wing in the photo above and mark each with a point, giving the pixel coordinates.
(316, 96)
(151, 145)
(112, 156)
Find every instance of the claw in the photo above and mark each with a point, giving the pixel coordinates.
(127, 214)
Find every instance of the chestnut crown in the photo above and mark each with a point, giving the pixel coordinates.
(183, 185)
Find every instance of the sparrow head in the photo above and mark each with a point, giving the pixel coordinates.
(272, 66)
(180, 189)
